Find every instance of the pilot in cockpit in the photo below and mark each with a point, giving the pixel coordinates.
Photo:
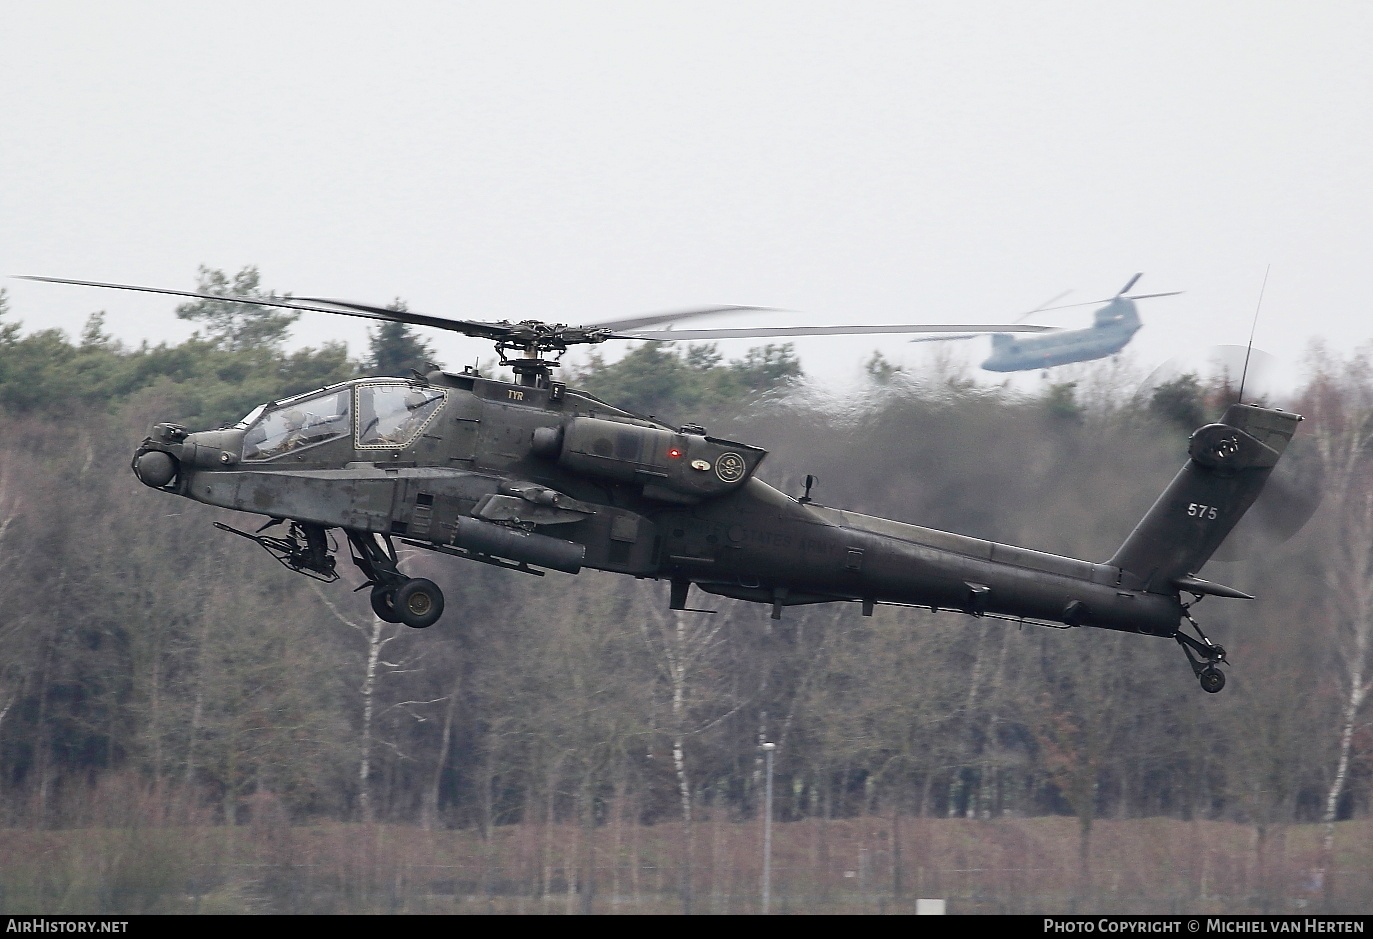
(411, 419)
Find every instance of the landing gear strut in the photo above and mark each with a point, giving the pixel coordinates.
(414, 601)
(1211, 677)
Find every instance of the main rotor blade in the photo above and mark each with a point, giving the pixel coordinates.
(1043, 306)
(475, 328)
(1149, 296)
(1138, 296)
(775, 331)
(672, 316)
(283, 302)
(948, 338)
(1128, 284)
(471, 328)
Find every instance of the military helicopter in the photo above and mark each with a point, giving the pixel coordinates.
(1113, 326)
(531, 475)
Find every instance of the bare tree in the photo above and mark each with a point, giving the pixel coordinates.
(685, 647)
(1080, 725)
(377, 635)
(11, 674)
(1340, 403)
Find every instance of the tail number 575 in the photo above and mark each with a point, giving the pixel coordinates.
(1197, 510)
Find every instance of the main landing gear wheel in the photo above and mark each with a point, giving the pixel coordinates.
(1212, 679)
(414, 601)
(419, 603)
(384, 605)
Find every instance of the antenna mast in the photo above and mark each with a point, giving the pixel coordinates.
(1250, 348)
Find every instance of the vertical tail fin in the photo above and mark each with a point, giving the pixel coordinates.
(1228, 466)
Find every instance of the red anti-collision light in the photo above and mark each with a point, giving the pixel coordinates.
(674, 453)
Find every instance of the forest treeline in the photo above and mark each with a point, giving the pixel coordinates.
(141, 643)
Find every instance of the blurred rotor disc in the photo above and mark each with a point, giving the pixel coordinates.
(1218, 370)
(1288, 501)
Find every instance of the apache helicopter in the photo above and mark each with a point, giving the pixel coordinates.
(531, 474)
(1113, 326)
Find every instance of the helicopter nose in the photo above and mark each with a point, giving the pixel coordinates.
(212, 449)
(155, 461)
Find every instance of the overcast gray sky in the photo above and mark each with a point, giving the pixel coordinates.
(856, 162)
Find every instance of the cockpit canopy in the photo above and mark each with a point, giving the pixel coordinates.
(389, 415)
(298, 423)
(392, 414)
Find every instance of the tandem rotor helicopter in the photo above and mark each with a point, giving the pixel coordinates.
(1113, 326)
(530, 475)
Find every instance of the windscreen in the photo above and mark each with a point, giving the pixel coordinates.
(299, 424)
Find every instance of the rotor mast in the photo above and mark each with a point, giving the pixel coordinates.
(532, 370)
(534, 341)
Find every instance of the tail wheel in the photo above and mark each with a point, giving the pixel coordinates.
(383, 604)
(419, 603)
(1212, 679)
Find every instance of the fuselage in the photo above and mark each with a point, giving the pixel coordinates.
(495, 467)
(1113, 326)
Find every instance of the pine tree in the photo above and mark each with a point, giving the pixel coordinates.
(237, 326)
(396, 349)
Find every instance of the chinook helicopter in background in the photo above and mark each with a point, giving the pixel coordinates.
(531, 474)
(1113, 326)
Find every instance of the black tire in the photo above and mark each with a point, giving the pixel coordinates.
(1212, 679)
(383, 604)
(419, 603)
